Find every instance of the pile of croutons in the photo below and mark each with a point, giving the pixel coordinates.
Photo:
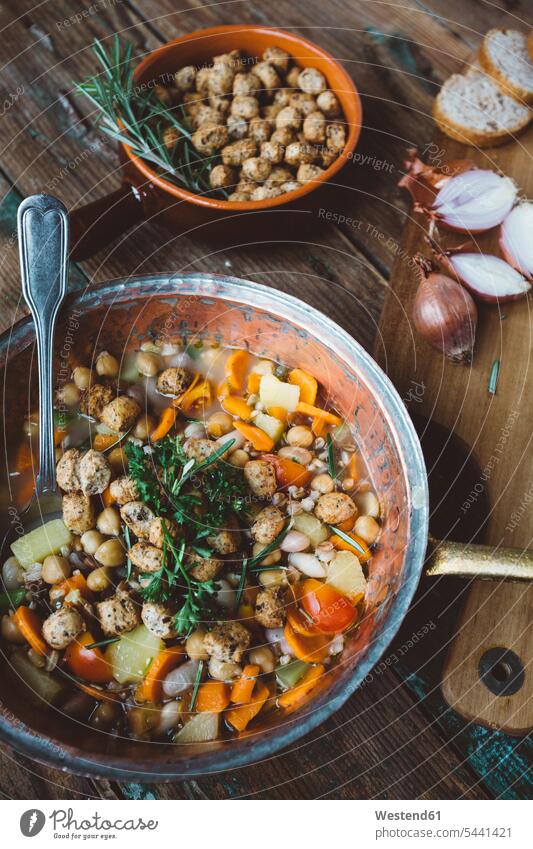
(271, 124)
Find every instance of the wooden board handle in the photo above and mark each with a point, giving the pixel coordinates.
(478, 561)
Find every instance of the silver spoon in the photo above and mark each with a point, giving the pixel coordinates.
(43, 232)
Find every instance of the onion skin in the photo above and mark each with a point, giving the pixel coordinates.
(423, 182)
(445, 314)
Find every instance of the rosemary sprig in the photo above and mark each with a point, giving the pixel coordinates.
(99, 643)
(493, 378)
(129, 564)
(250, 564)
(196, 687)
(348, 539)
(331, 456)
(137, 118)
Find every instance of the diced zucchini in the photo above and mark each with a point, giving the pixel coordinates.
(200, 729)
(131, 655)
(289, 675)
(41, 684)
(270, 424)
(312, 527)
(346, 575)
(38, 544)
(276, 393)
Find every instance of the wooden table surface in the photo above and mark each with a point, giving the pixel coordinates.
(395, 738)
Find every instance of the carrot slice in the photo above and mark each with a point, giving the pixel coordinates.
(254, 379)
(297, 695)
(102, 441)
(95, 693)
(59, 435)
(223, 390)
(288, 472)
(317, 412)
(194, 397)
(260, 440)
(75, 582)
(30, 626)
(341, 545)
(242, 690)
(235, 369)
(306, 382)
(300, 624)
(241, 715)
(278, 413)
(168, 417)
(310, 649)
(151, 689)
(213, 696)
(237, 406)
(318, 426)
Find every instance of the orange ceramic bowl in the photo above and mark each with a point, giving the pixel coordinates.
(145, 194)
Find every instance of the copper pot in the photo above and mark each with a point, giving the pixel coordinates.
(118, 315)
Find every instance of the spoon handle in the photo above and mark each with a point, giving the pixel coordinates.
(43, 249)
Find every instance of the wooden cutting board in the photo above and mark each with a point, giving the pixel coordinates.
(488, 675)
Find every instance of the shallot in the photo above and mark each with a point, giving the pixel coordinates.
(424, 181)
(444, 313)
(488, 277)
(516, 239)
(474, 201)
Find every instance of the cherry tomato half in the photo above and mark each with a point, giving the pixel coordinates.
(288, 472)
(89, 664)
(330, 610)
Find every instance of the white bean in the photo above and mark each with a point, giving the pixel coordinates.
(225, 596)
(235, 435)
(180, 679)
(181, 360)
(195, 430)
(276, 635)
(308, 564)
(12, 574)
(295, 541)
(168, 718)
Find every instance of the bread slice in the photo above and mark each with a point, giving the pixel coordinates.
(471, 108)
(504, 55)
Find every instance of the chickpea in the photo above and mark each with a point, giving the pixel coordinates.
(322, 484)
(247, 186)
(164, 94)
(236, 153)
(280, 174)
(220, 104)
(148, 364)
(210, 137)
(222, 176)
(283, 136)
(185, 78)
(99, 579)
(336, 137)
(82, 377)
(314, 128)
(107, 365)
(268, 75)
(265, 192)
(238, 458)
(292, 77)
(270, 560)
(68, 394)
(205, 114)
(118, 460)
(307, 172)
(260, 130)
(245, 106)
(220, 80)
(111, 553)
(91, 540)
(300, 436)
(202, 80)
(272, 577)
(263, 657)
(9, 630)
(55, 569)
(311, 81)
(108, 522)
(144, 426)
(277, 57)
(171, 136)
(282, 97)
(246, 84)
(219, 424)
(237, 128)
(257, 169)
(300, 455)
(272, 151)
(224, 670)
(299, 153)
(12, 574)
(288, 118)
(195, 645)
(328, 104)
(367, 528)
(271, 111)
(327, 157)
(239, 197)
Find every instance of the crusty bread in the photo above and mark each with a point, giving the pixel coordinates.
(505, 57)
(471, 108)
